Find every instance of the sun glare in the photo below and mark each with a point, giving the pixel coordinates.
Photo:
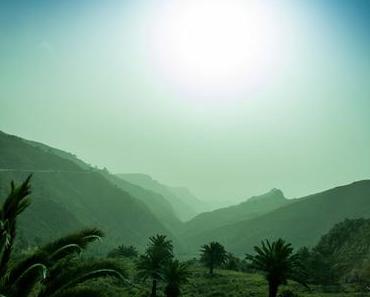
(216, 47)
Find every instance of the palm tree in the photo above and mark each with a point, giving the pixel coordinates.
(278, 262)
(213, 255)
(175, 274)
(232, 262)
(124, 251)
(158, 253)
(53, 270)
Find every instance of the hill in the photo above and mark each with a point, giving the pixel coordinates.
(18, 154)
(251, 208)
(67, 196)
(185, 204)
(157, 204)
(347, 248)
(227, 283)
(301, 222)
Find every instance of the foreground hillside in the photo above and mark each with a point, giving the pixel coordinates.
(347, 248)
(302, 222)
(227, 283)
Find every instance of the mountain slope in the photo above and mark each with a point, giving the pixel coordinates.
(76, 196)
(183, 202)
(251, 208)
(347, 246)
(302, 222)
(17, 153)
(198, 206)
(157, 204)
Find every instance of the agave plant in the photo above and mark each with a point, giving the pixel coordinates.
(54, 270)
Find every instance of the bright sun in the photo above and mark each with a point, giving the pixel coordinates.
(216, 47)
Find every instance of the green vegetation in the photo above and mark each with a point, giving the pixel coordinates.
(278, 263)
(175, 275)
(213, 255)
(124, 251)
(342, 255)
(158, 254)
(52, 270)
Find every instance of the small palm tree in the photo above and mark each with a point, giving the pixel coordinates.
(175, 274)
(213, 255)
(124, 251)
(158, 253)
(53, 270)
(278, 262)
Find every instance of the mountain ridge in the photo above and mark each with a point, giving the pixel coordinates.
(301, 222)
(250, 208)
(176, 196)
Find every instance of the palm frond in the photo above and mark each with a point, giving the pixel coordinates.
(80, 292)
(24, 285)
(16, 202)
(82, 239)
(62, 278)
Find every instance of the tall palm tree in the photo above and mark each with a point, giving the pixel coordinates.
(175, 274)
(278, 262)
(53, 270)
(158, 253)
(213, 255)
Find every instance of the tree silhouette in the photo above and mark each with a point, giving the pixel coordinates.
(52, 270)
(158, 253)
(232, 262)
(124, 251)
(213, 255)
(278, 262)
(175, 274)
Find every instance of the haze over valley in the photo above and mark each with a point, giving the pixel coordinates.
(198, 148)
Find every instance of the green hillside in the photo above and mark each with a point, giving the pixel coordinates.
(157, 204)
(227, 283)
(17, 153)
(302, 222)
(67, 196)
(251, 208)
(347, 247)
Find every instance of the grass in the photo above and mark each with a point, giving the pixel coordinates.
(227, 283)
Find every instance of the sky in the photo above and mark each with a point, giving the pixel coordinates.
(229, 98)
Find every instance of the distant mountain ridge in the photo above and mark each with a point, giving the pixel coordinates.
(250, 208)
(184, 204)
(302, 221)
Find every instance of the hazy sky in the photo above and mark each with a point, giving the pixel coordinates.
(228, 101)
